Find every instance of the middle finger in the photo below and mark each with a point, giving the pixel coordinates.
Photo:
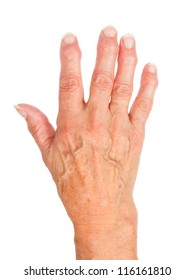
(103, 75)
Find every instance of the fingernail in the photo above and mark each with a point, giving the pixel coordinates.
(69, 38)
(152, 68)
(21, 111)
(129, 41)
(109, 31)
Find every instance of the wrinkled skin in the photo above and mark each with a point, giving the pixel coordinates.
(94, 153)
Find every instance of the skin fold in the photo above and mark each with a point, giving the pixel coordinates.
(94, 153)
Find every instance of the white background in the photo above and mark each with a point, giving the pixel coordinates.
(35, 229)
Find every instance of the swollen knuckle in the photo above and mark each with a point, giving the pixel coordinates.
(95, 127)
(122, 89)
(110, 48)
(71, 54)
(102, 81)
(69, 84)
(131, 59)
(135, 59)
(150, 81)
(128, 59)
(155, 83)
(145, 105)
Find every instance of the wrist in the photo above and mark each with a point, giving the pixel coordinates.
(107, 240)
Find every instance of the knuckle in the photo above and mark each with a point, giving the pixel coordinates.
(145, 105)
(128, 59)
(34, 129)
(69, 84)
(110, 48)
(94, 124)
(102, 81)
(95, 127)
(71, 53)
(122, 89)
(155, 83)
(150, 81)
(131, 59)
(135, 59)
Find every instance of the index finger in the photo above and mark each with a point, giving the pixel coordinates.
(71, 96)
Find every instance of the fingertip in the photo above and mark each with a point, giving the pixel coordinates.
(150, 75)
(151, 68)
(68, 39)
(21, 111)
(128, 41)
(29, 111)
(108, 41)
(38, 125)
(69, 46)
(109, 31)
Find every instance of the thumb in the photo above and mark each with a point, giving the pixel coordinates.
(38, 125)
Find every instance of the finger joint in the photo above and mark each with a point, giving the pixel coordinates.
(123, 89)
(70, 84)
(145, 105)
(103, 81)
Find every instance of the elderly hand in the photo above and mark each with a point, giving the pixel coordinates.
(94, 153)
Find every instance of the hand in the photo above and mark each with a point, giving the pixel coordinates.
(94, 153)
